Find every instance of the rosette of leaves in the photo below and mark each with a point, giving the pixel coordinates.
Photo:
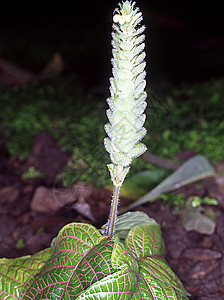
(83, 264)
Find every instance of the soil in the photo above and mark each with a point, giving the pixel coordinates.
(197, 259)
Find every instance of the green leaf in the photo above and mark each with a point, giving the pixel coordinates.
(120, 285)
(159, 269)
(192, 170)
(122, 257)
(145, 240)
(156, 279)
(151, 287)
(14, 272)
(80, 257)
(128, 220)
(83, 264)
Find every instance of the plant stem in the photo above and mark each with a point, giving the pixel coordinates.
(114, 204)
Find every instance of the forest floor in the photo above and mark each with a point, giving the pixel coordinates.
(29, 219)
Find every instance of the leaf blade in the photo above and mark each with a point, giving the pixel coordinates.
(80, 257)
(14, 272)
(145, 240)
(194, 169)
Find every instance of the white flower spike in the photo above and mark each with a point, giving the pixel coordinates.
(127, 102)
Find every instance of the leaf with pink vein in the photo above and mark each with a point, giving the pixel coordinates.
(82, 264)
(80, 257)
(156, 279)
(146, 239)
(15, 272)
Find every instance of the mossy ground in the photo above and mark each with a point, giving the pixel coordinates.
(61, 108)
(194, 122)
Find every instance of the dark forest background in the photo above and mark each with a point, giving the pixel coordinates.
(184, 41)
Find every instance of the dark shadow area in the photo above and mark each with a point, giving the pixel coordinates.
(184, 39)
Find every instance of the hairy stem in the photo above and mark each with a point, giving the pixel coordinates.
(114, 204)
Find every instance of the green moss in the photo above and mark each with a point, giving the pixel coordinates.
(32, 173)
(195, 122)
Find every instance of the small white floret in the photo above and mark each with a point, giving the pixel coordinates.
(121, 19)
(116, 18)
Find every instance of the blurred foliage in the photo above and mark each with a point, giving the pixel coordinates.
(55, 107)
(195, 121)
(177, 201)
(197, 201)
(60, 107)
(180, 204)
(33, 173)
(21, 244)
